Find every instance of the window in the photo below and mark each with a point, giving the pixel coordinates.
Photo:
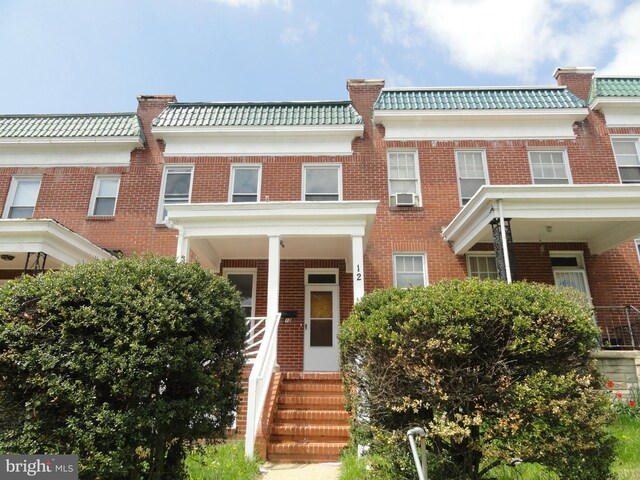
(482, 265)
(638, 247)
(104, 196)
(176, 188)
(322, 183)
(245, 183)
(627, 156)
(409, 269)
(569, 271)
(22, 197)
(245, 282)
(403, 176)
(472, 173)
(548, 168)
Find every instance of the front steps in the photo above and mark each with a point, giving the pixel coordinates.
(310, 423)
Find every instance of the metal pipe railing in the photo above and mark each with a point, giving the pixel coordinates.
(619, 326)
(419, 460)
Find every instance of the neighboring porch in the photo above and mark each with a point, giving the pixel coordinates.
(570, 235)
(35, 245)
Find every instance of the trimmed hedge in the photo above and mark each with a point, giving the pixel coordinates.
(492, 371)
(120, 362)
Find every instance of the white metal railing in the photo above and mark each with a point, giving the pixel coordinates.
(419, 459)
(262, 351)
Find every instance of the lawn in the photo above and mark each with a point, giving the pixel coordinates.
(221, 462)
(626, 429)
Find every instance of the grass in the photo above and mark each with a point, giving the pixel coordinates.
(625, 429)
(221, 462)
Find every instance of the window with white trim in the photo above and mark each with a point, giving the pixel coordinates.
(472, 173)
(569, 271)
(549, 167)
(627, 153)
(404, 177)
(482, 265)
(638, 247)
(409, 269)
(244, 185)
(22, 197)
(244, 279)
(104, 195)
(175, 188)
(322, 183)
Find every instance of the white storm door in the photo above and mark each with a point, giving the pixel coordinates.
(574, 278)
(321, 323)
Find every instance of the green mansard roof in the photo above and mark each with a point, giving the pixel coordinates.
(477, 99)
(615, 87)
(258, 114)
(70, 125)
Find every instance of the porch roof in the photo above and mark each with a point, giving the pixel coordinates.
(217, 231)
(603, 216)
(63, 246)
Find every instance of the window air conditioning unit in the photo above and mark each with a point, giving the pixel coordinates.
(405, 199)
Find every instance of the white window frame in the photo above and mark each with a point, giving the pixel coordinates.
(15, 180)
(245, 271)
(636, 140)
(425, 275)
(638, 248)
(321, 271)
(479, 254)
(418, 192)
(165, 170)
(565, 160)
(318, 166)
(232, 178)
(94, 194)
(483, 156)
(581, 268)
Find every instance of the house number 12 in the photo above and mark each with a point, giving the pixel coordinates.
(358, 273)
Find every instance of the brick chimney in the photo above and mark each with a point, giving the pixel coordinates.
(363, 93)
(149, 107)
(576, 79)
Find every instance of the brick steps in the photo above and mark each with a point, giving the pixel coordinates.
(310, 422)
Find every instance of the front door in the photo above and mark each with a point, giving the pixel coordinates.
(321, 323)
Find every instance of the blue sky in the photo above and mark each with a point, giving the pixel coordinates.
(64, 56)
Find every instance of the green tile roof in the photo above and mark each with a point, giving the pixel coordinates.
(615, 87)
(68, 126)
(477, 99)
(258, 114)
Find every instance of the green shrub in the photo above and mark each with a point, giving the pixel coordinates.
(119, 362)
(492, 371)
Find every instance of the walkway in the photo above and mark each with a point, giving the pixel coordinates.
(313, 471)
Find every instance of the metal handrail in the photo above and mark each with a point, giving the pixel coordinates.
(620, 326)
(419, 460)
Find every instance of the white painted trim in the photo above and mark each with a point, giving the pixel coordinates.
(484, 254)
(599, 103)
(565, 160)
(160, 132)
(527, 113)
(246, 271)
(638, 248)
(574, 70)
(132, 142)
(357, 267)
(577, 254)
(331, 364)
(483, 157)
(12, 191)
(239, 166)
(318, 166)
(96, 182)
(273, 277)
(418, 191)
(425, 274)
(50, 237)
(627, 137)
(167, 167)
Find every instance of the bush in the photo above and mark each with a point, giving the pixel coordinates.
(492, 371)
(120, 362)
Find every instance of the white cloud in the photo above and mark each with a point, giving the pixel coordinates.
(295, 35)
(626, 60)
(255, 4)
(514, 37)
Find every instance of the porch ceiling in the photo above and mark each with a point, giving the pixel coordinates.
(217, 231)
(62, 246)
(603, 216)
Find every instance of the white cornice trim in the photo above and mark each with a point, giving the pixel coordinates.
(160, 132)
(133, 142)
(570, 113)
(602, 102)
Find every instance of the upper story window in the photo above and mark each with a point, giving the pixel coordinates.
(549, 167)
(22, 197)
(472, 173)
(409, 269)
(245, 183)
(627, 152)
(175, 188)
(482, 265)
(404, 183)
(322, 183)
(105, 195)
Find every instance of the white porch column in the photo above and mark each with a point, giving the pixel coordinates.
(505, 245)
(357, 251)
(273, 283)
(182, 254)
